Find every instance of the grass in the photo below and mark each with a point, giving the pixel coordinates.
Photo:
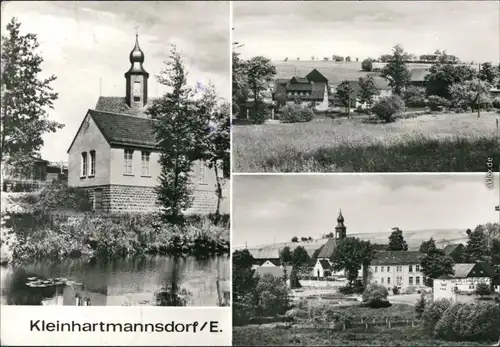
(428, 143)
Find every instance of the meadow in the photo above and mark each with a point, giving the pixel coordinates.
(443, 142)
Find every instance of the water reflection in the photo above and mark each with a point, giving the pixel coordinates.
(161, 281)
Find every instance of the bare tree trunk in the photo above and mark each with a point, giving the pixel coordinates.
(219, 194)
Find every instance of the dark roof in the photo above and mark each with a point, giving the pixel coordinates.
(124, 130)
(465, 270)
(397, 258)
(451, 248)
(299, 87)
(328, 248)
(299, 80)
(324, 264)
(276, 262)
(316, 76)
(273, 270)
(117, 104)
(418, 75)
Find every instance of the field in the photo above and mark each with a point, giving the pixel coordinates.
(428, 143)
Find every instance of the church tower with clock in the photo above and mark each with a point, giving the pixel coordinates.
(136, 93)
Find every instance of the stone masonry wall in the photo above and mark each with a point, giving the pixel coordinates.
(136, 199)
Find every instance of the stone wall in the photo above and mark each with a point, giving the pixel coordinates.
(133, 199)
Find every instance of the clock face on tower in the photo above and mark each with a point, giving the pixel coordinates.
(136, 89)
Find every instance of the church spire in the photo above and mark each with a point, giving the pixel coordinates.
(136, 78)
(340, 229)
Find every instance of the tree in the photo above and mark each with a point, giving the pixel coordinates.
(470, 94)
(368, 91)
(300, 257)
(244, 283)
(442, 76)
(424, 246)
(489, 73)
(286, 256)
(239, 80)
(344, 95)
(420, 305)
(348, 59)
(25, 98)
(260, 72)
(295, 239)
(435, 264)
(273, 295)
(476, 250)
(178, 127)
(384, 58)
(367, 65)
(396, 71)
(483, 289)
(397, 241)
(375, 295)
(349, 255)
(385, 108)
(216, 142)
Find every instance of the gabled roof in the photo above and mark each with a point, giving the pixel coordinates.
(299, 80)
(328, 248)
(397, 258)
(451, 248)
(325, 265)
(464, 270)
(275, 271)
(116, 104)
(316, 76)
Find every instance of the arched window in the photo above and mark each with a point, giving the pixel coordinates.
(84, 165)
(92, 163)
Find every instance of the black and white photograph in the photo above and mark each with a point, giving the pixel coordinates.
(366, 259)
(365, 86)
(115, 153)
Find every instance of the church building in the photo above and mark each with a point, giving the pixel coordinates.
(114, 156)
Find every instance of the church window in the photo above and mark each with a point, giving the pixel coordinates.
(92, 163)
(128, 155)
(145, 163)
(137, 91)
(84, 165)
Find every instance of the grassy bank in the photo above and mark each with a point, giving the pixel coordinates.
(431, 143)
(51, 235)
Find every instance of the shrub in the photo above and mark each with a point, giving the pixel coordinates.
(414, 97)
(496, 102)
(367, 65)
(296, 113)
(395, 290)
(375, 295)
(432, 314)
(272, 293)
(420, 305)
(483, 289)
(437, 103)
(387, 107)
(469, 322)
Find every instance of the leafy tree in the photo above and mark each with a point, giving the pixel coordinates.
(178, 126)
(396, 71)
(489, 73)
(348, 58)
(414, 97)
(25, 98)
(495, 252)
(435, 264)
(239, 80)
(216, 140)
(397, 241)
(368, 91)
(476, 250)
(260, 72)
(244, 283)
(300, 257)
(350, 254)
(442, 76)
(385, 108)
(344, 95)
(424, 246)
(296, 113)
(273, 296)
(470, 93)
(295, 239)
(483, 289)
(375, 295)
(420, 305)
(367, 65)
(286, 256)
(384, 58)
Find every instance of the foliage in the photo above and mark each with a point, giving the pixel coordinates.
(367, 65)
(240, 90)
(420, 305)
(424, 246)
(259, 72)
(435, 264)
(375, 295)
(483, 289)
(414, 97)
(397, 241)
(496, 102)
(489, 73)
(469, 322)
(273, 296)
(368, 91)
(469, 93)
(177, 126)
(396, 71)
(350, 254)
(295, 239)
(436, 103)
(356, 288)
(476, 250)
(296, 113)
(385, 108)
(300, 257)
(286, 256)
(442, 76)
(344, 95)
(433, 312)
(25, 98)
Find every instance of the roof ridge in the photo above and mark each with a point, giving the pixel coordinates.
(119, 114)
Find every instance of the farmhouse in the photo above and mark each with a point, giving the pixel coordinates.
(399, 269)
(279, 272)
(464, 279)
(114, 155)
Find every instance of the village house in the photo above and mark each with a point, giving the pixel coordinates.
(114, 155)
(465, 278)
(399, 269)
(279, 272)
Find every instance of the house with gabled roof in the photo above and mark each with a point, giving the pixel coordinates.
(114, 155)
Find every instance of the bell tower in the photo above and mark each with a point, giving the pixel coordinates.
(340, 229)
(136, 92)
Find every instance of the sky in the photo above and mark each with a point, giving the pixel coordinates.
(272, 208)
(83, 43)
(468, 29)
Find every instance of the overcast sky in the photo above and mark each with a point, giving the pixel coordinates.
(467, 29)
(82, 42)
(268, 208)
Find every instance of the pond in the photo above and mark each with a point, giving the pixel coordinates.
(145, 280)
